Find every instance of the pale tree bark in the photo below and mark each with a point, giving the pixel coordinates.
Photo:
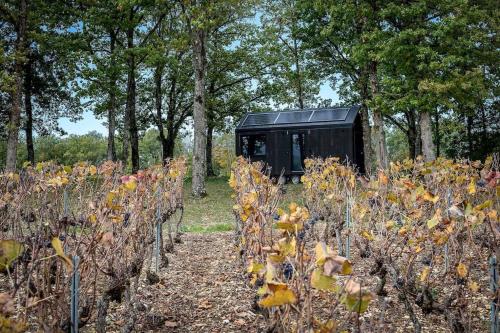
(378, 132)
(15, 112)
(367, 139)
(365, 122)
(428, 148)
(199, 116)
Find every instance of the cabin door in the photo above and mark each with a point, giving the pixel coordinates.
(298, 151)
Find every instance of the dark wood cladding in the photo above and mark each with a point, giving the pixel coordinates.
(339, 138)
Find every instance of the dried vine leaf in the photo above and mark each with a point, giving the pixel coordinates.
(57, 245)
(321, 281)
(10, 250)
(355, 298)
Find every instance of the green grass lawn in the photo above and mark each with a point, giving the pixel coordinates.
(214, 212)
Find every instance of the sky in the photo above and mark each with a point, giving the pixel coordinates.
(90, 123)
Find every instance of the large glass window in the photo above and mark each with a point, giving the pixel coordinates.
(253, 145)
(297, 151)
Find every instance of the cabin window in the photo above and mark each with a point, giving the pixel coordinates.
(253, 145)
(297, 152)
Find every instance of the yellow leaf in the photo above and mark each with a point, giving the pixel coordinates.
(472, 186)
(462, 270)
(322, 253)
(390, 224)
(275, 286)
(293, 207)
(287, 247)
(425, 274)
(10, 250)
(92, 170)
(328, 327)
(430, 197)
(57, 245)
(322, 282)
(367, 235)
(474, 286)
(280, 297)
(434, 221)
(131, 184)
(484, 205)
(255, 267)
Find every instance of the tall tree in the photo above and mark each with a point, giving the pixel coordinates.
(17, 15)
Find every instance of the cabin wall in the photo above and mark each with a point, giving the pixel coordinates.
(319, 142)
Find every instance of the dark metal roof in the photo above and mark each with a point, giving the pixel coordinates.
(314, 117)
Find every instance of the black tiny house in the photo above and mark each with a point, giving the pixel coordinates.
(284, 139)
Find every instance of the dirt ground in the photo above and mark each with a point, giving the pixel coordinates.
(202, 290)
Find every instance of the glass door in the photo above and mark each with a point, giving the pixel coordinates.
(297, 152)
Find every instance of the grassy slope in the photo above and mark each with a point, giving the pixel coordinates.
(214, 212)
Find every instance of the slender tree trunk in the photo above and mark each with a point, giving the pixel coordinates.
(210, 168)
(411, 135)
(15, 112)
(29, 113)
(418, 140)
(171, 132)
(300, 90)
(199, 116)
(428, 148)
(378, 123)
(131, 97)
(470, 122)
(365, 123)
(111, 153)
(158, 104)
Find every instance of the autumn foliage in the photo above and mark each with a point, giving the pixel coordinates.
(424, 231)
(50, 213)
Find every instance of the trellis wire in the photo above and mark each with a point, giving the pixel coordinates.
(495, 306)
(75, 290)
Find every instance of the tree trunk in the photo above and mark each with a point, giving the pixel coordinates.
(15, 112)
(131, 96)
(158, 105)
(365, 123)
(378, 122)
(470, 122)
(171, 132)
(210, 169)
(411, 135)
(428, 148)
(300, 90)
(111, 153)
(29, 113)
(437, 134)
(199, 117)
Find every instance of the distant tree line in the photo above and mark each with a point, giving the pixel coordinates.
(424, 72)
